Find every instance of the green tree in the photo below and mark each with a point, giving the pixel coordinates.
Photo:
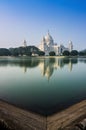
(74, 53)
(14, 51)
(11, 50)
(28, 53)
(52, 53)
(25, 51)
(41, 53)
(4, 52)
(81, 53)
(66, 53)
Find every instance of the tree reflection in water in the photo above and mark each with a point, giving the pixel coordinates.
(47, 65)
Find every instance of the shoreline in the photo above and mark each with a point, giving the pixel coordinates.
(42, 56)
(25, 120)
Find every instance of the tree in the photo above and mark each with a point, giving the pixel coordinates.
(24, 51)
(14, 51)
(66, 53)
(74, 53)
(28, 53)
(41, 53)
(4, 52)
(81, 53)
(52, 53)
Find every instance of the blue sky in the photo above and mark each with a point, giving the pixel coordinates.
(31, 19)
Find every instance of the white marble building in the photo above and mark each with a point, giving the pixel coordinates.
(24, 43)
(47, 45)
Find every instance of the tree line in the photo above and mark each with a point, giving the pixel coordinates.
(32, 50)
(72, 53)
(75, 53)
(21, 51)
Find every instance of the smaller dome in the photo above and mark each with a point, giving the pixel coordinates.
(70, 42)
(24, 43)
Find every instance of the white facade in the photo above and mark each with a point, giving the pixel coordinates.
(47, 45)
(24, 43)
(70, 46)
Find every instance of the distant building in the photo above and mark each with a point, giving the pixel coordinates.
(24, 43)
(70, 46)
(47, 45)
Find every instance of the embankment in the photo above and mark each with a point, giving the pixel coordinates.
(19, 119)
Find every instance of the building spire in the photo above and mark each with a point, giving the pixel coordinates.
(48, 32)
(24, 43)
(43, 39)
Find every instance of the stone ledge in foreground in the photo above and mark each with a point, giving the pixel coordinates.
(19, 119)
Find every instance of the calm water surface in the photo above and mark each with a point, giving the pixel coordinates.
(43, 85)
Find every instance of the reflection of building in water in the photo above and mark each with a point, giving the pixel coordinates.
(70, 66)
(24, 69)
(48, 66)
(47, 45)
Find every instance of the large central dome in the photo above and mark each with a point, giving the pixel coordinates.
(49, 39)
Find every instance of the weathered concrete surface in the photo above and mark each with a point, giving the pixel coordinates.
(23, 120)
(68, 117)
(20, 119)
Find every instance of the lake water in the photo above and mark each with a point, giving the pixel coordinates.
(43, 85)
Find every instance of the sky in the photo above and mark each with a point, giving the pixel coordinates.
(31, 20)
